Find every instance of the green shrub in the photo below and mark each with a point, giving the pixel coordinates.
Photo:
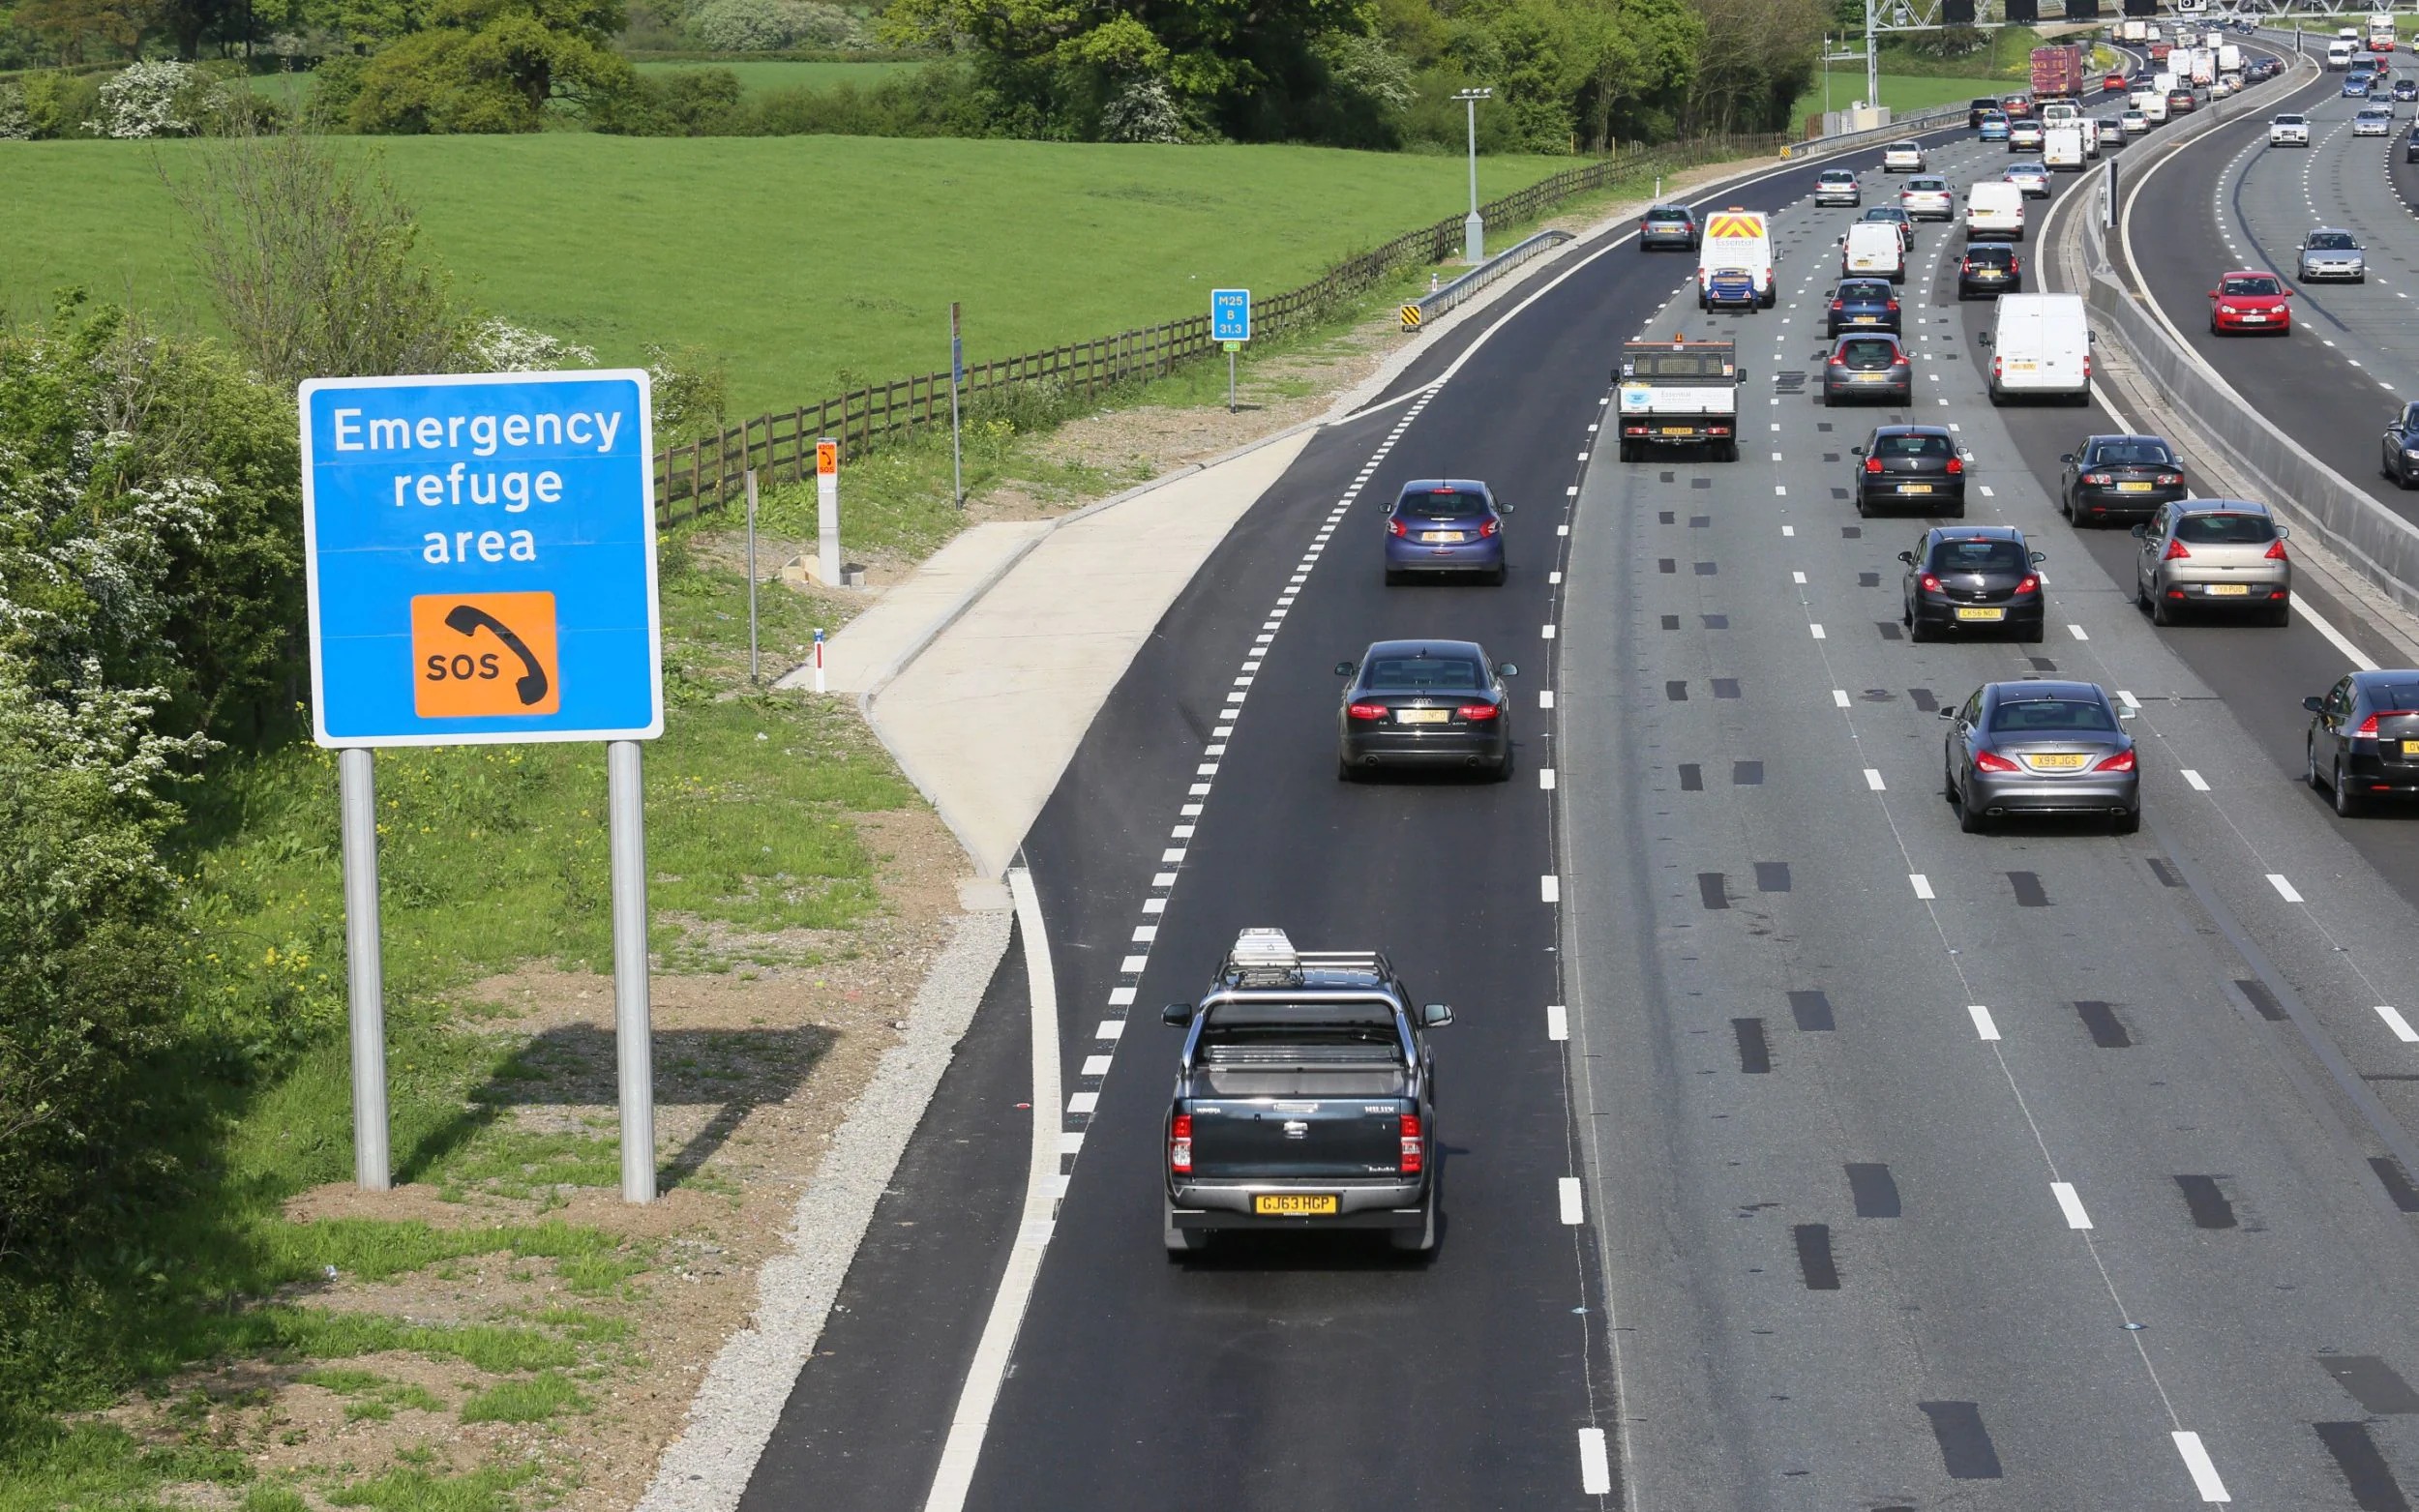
(531, 1400)
(58, 103)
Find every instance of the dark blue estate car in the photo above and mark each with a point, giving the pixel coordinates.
(1864, 305)
(1444, 525)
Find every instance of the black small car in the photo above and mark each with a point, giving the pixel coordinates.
(1990, 268)
(1865, 366)
(1864, 305)
(1976, 110)
(2364, 738)
(1911, 465)
(2399, 461)
(1669, 225)
(1966, 578)
(1440, 704)
(2118, 479)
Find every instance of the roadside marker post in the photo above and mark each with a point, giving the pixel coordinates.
(1229, 325)
(751, 482)
(819, 659)
(479, 558)
(827, 510)
(957, 380)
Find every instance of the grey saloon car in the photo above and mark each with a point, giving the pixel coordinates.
(2213, 554)
(1424, 703)
(2040, 748)
(2331, 254)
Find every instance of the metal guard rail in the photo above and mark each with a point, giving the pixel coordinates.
(1443, 299)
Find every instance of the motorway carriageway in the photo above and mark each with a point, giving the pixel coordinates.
(1803, 1151)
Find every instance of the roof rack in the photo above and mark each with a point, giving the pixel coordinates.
(1266, 957)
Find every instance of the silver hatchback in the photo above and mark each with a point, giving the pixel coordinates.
(2217, 554)
(2331, 254)
(1929, 197)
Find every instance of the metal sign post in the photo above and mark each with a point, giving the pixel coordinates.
(819, 659)
(827, 510)
(957, 379)
(751, 480)
(479, 553)
(1473, 229)
(1229, 325)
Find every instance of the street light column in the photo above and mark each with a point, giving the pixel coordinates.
(1473, 229)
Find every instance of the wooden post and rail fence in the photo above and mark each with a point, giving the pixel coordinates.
(708, 472)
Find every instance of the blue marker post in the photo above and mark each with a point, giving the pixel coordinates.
(480, 556)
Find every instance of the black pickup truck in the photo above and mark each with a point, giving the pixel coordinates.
(1305, 1099)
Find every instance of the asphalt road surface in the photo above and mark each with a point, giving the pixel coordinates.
(1882, 1166)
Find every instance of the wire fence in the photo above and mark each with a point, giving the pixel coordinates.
(712, 470)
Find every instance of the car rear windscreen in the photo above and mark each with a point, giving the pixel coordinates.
(1442, 503)
(2331, 240)
(1864, 290)
(1979, 556)
(2262, 285)
(1422, 674)
(1667, 213)
(2225, 530)
(2132, 454)
(2393, 696)
(2050, 714)
(1870, 353)
(1997, 256)
(1912, 446)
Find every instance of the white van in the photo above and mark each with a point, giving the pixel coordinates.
(2040, 346)
(1994, 209)
(2062, 146)
(2339, 56)
(2155, 108)
(1734, 265)
(1871, 251)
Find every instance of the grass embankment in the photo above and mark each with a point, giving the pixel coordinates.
(808, 264)
(491, 857)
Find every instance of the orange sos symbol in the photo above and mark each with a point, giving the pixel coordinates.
(476, 654)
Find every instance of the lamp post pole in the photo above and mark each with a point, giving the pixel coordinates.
(1473, 229)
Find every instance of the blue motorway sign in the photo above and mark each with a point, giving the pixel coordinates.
(1230, 315)
(481, 559)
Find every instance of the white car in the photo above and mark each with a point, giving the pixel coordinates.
(2289, 130)
(1902, 157)
(2373, 121)
(1927, 198)
(1838, 187)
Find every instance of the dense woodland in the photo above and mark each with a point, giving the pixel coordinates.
(1569, 75)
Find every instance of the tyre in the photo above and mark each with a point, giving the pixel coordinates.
(1971, 819)
(1393, 578)
(2126, 823)
(1730, 451)
(1346, 772)
(2160, 613)
(2280, 615)
(1918, 631)
(1501, 771)
(1495, 579)
(2031, 635)
(2310, 766)
(2349, 805)
(2141, 594)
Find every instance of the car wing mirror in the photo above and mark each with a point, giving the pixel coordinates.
(1435, 1016)
(1947, 714)
(2141, 532)
(2126, 713)
(2068, 458)
(2041, 556)
(2282, 531)
(1346, 669)
(1507, 669)
(1982, 337)
(1740, 374)
(2315, 704)
(1907, 557)
(1856, 450)
(1502, 508)
(1177, 1014)
(2213, 293)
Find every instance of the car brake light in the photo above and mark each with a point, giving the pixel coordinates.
(2276, 552)
(2174, 552)
(1899, 361)
(1957, 465)
(1181, 1143)
(2122, 761)
(1894, 304)
(1395, 527)
(2027, 584)
(1839, 304)
(1478, 711)
(2097, 477)
(2171, 477)
(1992, 761)
(2086, 365)
(1928, 583)
(1366, 711)
(1873, 465)
(1838, 361)
(2367, 729)
(1994, 367)
(1414, 1154)
(1488, 527)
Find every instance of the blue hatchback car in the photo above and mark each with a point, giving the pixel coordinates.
(1994, 129)
(1444, 526)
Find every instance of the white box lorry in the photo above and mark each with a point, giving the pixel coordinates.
(2040, 347)
(1679, 393)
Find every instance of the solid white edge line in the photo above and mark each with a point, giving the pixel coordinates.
(2319, 622)
(2070, 1205)
(2400, 1026)
(1567, 1193)
(2203, 1470)
(984, 1377)
(1984, 1028)
(1596, 1466)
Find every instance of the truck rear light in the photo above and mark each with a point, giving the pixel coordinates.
(1181, 1143)
(1476, 712)
(1414, 1154)
(2086, 367)
(2174, 552)
(1994, 367)
(1366, 711)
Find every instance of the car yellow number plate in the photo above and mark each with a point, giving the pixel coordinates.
(1680, 430)
(1915, 488)
(2022, 365)
(1295, 1205)
(2057, 762)
(1440, 535)
(1424, 716)
(2230, 590)
(2410, 747)
(1867, 320)
(1981, 614)
(2133, 487)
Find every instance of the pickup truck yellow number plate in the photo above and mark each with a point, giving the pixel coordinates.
(1295, 1205)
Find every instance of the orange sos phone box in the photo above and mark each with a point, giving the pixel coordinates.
(482, 654)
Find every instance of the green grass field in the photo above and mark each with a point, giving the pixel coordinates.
(758, 78)
(807, 264)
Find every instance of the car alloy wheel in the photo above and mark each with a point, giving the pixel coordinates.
(2310, 766)
(2347, 804)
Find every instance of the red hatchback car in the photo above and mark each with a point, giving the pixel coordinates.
(2112, 81)
(2248, 301)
